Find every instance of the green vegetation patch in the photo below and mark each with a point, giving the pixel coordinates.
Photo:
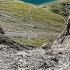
(25, 18)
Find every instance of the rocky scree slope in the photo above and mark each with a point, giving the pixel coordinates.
(15, 56)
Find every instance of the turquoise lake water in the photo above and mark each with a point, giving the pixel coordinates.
(38, 2)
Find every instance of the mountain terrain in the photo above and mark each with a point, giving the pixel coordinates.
(27, 33)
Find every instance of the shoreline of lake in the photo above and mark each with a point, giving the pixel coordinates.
(42, 5)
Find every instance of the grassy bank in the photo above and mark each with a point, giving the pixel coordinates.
(43, 26)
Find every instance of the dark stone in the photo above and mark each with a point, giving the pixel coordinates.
(60, 53)
(68, 27)
(46, 47)
(1, 31)
(54, 59)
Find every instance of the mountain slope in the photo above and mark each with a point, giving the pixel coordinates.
(14, 58)
(29, 25)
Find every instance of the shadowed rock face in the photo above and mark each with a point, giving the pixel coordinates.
(1, 31)
(68, 26)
